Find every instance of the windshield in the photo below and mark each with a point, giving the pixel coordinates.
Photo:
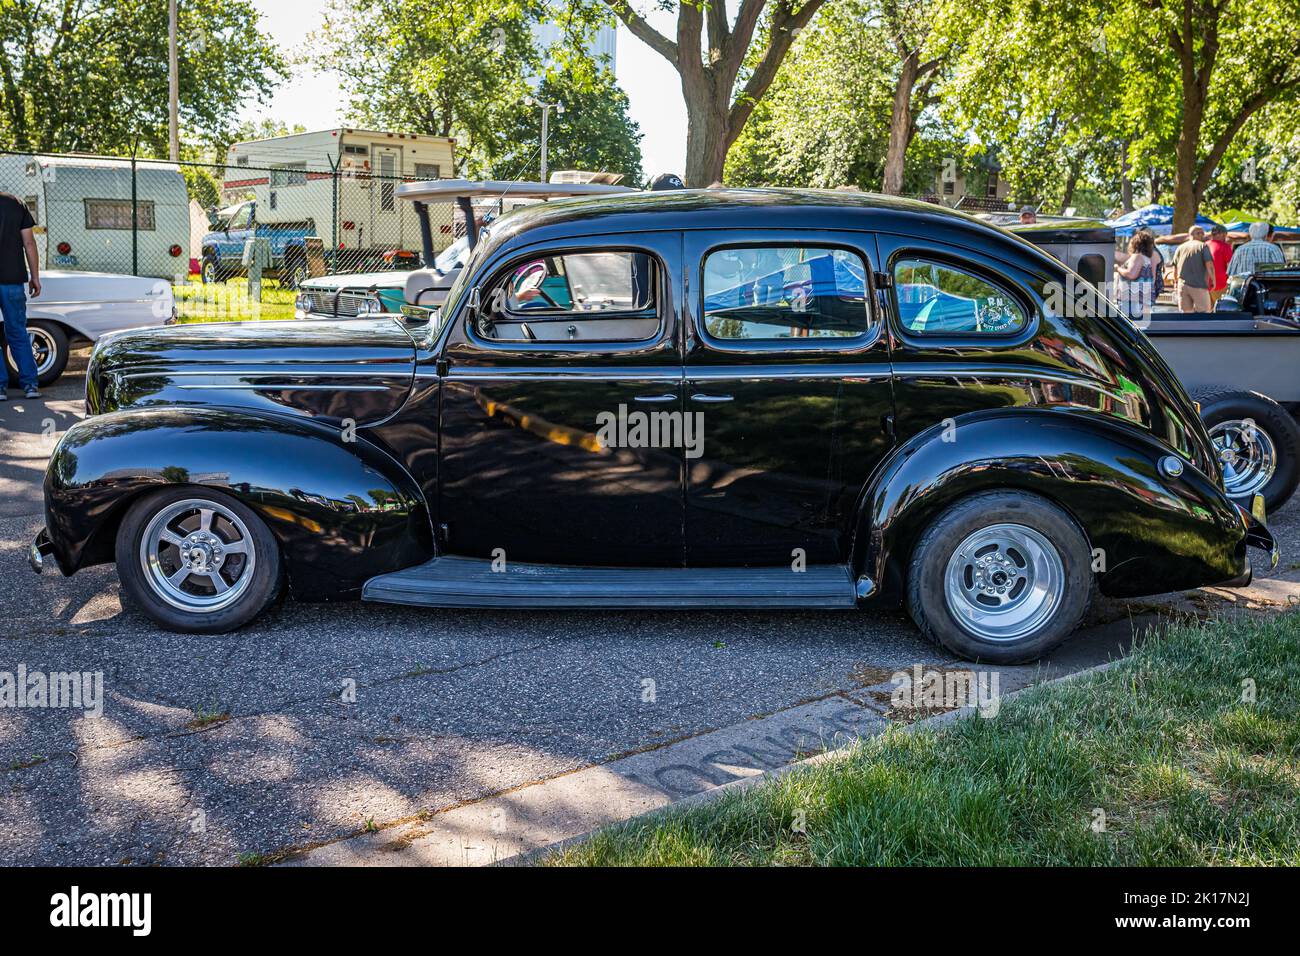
(452, 256)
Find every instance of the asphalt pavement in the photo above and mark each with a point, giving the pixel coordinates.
(247, 746)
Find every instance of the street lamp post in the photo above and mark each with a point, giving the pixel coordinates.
(546, 115)
(173, 87)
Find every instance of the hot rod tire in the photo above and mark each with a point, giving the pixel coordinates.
(1000, 577)
(1261, 441)
(197, 561)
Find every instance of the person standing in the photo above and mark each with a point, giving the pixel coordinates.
(1134, 283)
(18, 256)
(1194, 270)
(1221, 251)
(1246, 260)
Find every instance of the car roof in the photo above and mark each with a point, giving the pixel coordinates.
(765, 208)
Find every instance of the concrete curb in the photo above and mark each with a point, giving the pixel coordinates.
(745, 783)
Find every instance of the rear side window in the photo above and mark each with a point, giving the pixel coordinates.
(116, 214)
(605, 296)
(935, 298)
(785, 293)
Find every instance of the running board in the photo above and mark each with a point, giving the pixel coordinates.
(471, 582)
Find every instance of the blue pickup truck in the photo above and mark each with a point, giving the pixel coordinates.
(232, 227)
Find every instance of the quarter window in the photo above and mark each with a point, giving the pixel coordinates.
(607, 296)
(785, 293)
(937, 299)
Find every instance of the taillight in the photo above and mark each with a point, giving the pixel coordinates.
(64, 248)
(175, 251)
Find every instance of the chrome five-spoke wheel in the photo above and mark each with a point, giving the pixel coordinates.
(1248, 455)
(198, 555)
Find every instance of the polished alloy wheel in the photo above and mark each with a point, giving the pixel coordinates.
(197, 555)
(1004, 582)
(44, 349)
(1248, 454)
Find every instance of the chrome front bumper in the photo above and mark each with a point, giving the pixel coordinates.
(40, 549)
(1257, 533)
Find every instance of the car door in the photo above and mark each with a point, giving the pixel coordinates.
(230, 243)
(555, 390)
(788, 376)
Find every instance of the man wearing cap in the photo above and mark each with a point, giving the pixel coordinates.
(1028, 216)
(665, 181)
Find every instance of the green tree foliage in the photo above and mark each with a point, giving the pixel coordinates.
(593, 133)
(91, 75)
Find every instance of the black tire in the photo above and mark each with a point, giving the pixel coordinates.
(1072, 585)
(294, 272)
(51, 351)
(210, 269)
(1272, 425)
(139, 584)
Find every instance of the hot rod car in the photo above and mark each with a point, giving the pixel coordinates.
(721, 398)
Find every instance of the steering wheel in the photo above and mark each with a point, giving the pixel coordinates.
(528, 284)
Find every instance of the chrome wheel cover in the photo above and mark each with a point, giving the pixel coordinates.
(1004, 582)
(198, 556)
(44, 351)
(1248, 455)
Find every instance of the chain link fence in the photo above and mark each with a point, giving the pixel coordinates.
(190, 224)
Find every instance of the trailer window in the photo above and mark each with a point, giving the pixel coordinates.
(116, 214)
(426, 171)
(289, 174)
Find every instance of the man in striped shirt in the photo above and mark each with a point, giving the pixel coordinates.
(1249, 255)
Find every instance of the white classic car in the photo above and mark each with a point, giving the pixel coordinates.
(83, 306)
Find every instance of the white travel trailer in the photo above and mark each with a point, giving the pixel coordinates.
(290, 181)
(82, 207)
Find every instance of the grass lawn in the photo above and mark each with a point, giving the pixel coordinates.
(1184, 770)
(228, 301)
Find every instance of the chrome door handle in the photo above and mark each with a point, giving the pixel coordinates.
(669, 397)
(701, 397)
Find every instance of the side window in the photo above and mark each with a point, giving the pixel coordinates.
(772, 293)
(938, 299)
(605, 296)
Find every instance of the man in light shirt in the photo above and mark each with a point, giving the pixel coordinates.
(1194, 267)
(1249, 255)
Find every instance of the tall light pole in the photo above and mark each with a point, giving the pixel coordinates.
(173, 86)
(546, 115)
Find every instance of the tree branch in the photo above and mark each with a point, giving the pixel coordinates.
(784, 25)
(643, 31)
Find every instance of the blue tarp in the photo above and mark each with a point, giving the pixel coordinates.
(1159, 219)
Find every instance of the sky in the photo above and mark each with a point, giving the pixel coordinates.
(652, 86)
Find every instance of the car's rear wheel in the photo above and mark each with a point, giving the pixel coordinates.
(1001, 577)
(49, 349)
(197, 560)
(1258, 443)
(210, 269)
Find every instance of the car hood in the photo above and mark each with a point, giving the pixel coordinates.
(357, 371)
(357, 280)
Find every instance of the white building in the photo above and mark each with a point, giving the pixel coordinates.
(603, 44)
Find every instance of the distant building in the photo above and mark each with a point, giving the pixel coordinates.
(603, 44)
(975, 184)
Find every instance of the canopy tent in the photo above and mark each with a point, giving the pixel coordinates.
(1158, 219)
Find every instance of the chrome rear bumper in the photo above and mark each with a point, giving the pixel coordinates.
(40, 549)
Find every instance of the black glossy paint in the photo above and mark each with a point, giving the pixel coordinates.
(844, 453)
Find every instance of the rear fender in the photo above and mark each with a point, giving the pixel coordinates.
(343, 511)
(1148, 533)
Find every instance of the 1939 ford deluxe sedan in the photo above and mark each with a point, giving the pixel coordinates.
(699, 399)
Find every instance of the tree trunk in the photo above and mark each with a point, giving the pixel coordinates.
(1186, 196)
(1125, 182)
(900, 126)
(1071, 183)
(707, 138)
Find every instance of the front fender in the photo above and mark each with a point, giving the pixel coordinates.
(1150, 534)
(343, 511)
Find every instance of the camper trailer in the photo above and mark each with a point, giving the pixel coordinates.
(82, 207)
(283, 189)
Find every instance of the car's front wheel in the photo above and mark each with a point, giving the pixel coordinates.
(197, 560)
(1001, 577)
(1258, 443)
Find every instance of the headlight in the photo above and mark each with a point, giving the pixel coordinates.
(304, 302)
(369, 306)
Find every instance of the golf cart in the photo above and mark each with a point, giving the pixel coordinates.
(363, 294)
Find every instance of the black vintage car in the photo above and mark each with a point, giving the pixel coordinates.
(697, 399)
